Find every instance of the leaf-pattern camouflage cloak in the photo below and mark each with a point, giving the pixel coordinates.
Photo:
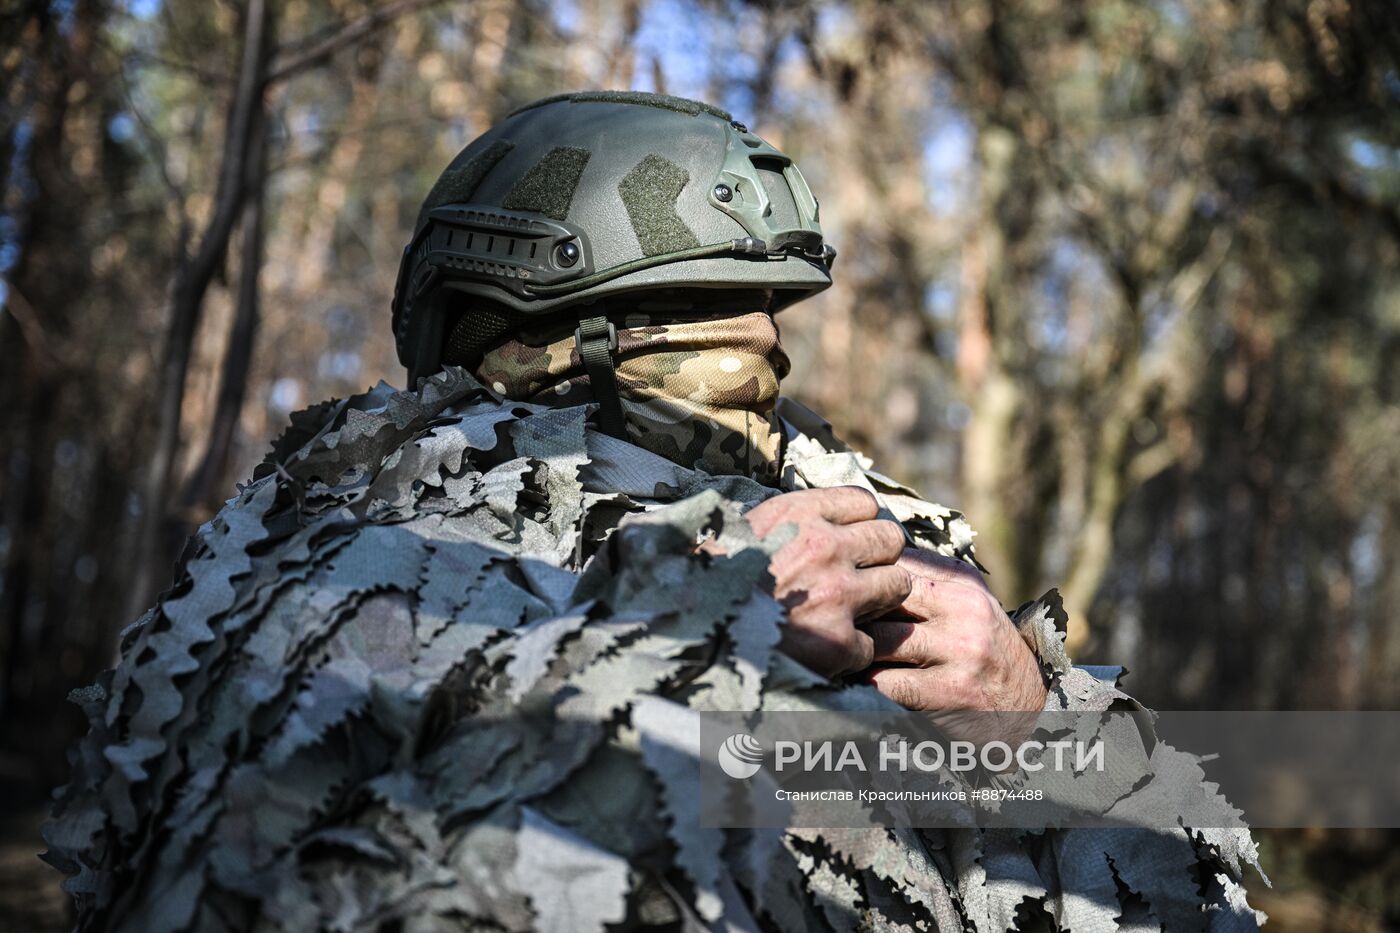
(437, 667)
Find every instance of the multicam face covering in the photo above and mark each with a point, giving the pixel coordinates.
(699, 393)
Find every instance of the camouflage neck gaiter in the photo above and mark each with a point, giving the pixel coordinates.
(700, 393)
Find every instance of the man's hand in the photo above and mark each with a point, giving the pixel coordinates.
(838, 570)
(960, 651)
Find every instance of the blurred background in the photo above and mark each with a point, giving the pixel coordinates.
(1118, 279)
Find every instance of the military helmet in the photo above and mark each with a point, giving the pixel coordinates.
(587, 206)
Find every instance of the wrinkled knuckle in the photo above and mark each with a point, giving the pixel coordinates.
(906, 693)
(847, 583)
(829, 591)
(866, 497)
(818, 544)
(979, 649)
(892, 533)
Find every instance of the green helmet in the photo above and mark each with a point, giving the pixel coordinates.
(587, 206)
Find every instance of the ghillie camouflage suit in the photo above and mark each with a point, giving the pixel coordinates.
(438, 666)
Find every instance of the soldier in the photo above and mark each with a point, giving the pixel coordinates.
(438, 665)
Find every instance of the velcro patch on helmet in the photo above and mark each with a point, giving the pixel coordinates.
(460, 181)
(549, 186)
(649, 194)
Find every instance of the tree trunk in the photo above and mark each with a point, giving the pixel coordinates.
(156, 544)
(36, 532)
(204, 491)
(992, 394)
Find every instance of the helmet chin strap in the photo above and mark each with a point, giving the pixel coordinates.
(596, 342)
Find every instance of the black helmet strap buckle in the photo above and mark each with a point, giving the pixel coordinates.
(596, 342)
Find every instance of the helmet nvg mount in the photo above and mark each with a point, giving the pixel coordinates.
(586, 206)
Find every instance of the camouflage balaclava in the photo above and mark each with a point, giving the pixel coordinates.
(700, 393)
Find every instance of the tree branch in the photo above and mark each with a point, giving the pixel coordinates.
(156, 151)
(31, 327)
(292, 63)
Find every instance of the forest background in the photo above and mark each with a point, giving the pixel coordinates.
(1118, 279)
